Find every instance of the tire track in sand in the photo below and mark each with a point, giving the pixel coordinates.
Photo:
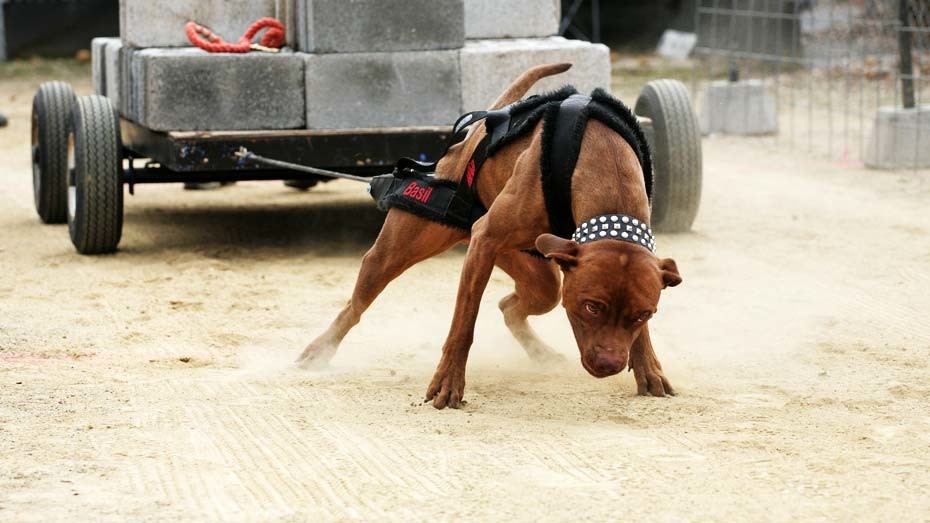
(173, 470)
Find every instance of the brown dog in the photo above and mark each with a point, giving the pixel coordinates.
(610, 288)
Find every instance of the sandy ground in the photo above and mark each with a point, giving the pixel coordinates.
(157, 384)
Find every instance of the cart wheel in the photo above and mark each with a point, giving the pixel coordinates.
(95, 184)
(301, 185)
(51, 123)
(676, 154)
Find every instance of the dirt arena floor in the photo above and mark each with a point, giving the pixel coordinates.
(157, 384)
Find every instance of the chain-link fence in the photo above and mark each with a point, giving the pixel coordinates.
(837, 77)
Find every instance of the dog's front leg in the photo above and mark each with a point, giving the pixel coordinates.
(404, 240)
(646, 368)
(448, 385)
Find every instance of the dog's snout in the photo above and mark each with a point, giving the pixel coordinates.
(608, 362)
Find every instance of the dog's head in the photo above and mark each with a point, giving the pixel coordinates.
(610, 290)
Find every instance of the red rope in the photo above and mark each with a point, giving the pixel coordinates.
(207, 40)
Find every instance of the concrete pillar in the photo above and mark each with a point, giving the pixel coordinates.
(900, 139)
(742, 108)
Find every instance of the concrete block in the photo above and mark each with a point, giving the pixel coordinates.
(359, 26)
(511, 19)
(124, 59)
(191, 90)
(2, 34)
(111, 68)
(371, 90)
(98, 69)
(742, 107)
(160, 23)
(676, 45)
(285, 13)
(900, 139)
(117, 64)
(489, 66)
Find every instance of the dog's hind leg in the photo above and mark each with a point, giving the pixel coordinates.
(536, 291)
(404, 241)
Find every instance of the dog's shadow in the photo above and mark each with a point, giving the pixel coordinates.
(314, 225)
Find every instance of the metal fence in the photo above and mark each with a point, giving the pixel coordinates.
(842, 78)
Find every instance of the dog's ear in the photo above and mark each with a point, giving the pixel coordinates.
(670, 276)
(563, 251)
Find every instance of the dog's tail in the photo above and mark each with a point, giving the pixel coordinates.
(526, 80)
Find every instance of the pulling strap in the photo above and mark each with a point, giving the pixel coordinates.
(461, 208)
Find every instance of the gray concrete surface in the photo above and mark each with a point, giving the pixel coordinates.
(111, 66)
(124, 63)
(353, 26)
(160, 23)
(511, 19)
(189, 89)
(900, 139)
(285, 13)
(742, 108)
(489, 66)
(2, 33)
(359, 90)
(97, 63)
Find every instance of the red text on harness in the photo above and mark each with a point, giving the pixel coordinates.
(420, 194)
(470, 172)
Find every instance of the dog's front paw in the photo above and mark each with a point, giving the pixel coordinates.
(317, 355)
(650, 379)
(448, 386)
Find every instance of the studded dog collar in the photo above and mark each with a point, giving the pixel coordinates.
(616, 227)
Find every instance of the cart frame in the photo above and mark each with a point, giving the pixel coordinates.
(205, 156)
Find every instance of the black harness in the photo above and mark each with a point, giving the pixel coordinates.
(413, 187)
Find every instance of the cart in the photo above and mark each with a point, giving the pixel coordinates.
(84, 153)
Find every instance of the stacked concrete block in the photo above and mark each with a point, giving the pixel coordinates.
(2, 34)
(741, 108)
(900, 139)
(124, 99)
(284, 12)
(111, 70)
(370, 90)
(190, 89)
(131, 97)
(511, 19)
(381, 63)
(98, 77)
(160, 23)
(362, 26)
(105, 67)
(489, 66)
(361, 63)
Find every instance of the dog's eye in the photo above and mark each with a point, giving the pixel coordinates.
(593, 308)
(643, 316)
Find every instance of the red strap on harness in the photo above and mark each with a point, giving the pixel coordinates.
(209, 41)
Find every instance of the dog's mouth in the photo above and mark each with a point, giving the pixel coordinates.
(601, 371)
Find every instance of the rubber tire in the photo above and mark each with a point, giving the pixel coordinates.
(676, 154)
(51, 123)
(301, 185)
(95, 192)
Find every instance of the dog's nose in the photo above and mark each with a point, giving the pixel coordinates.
(607, 362)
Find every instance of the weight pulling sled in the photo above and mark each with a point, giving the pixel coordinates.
(83, 153)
